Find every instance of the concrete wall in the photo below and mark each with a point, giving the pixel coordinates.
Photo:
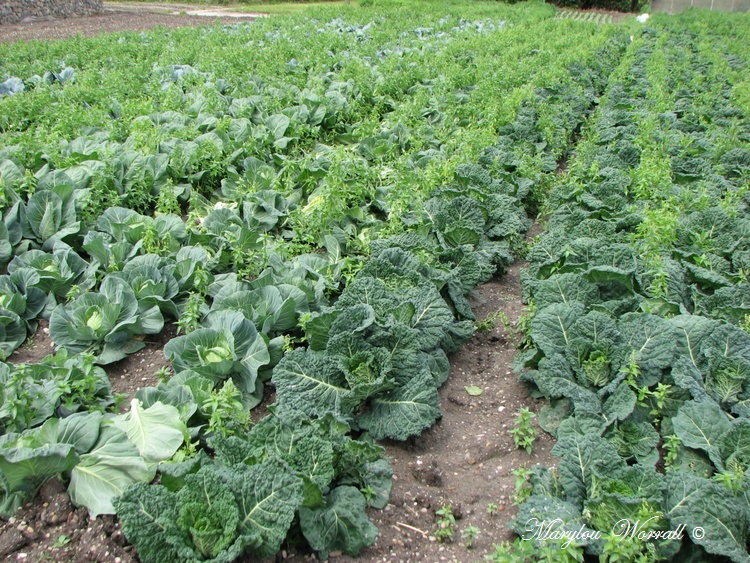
(675, 6)
(14, 11)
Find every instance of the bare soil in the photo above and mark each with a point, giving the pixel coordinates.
(466, 460)
(116, 17)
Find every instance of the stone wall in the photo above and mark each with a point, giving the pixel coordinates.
(675, 6)
(14, 11)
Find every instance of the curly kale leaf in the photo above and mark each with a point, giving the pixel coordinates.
(218, 514)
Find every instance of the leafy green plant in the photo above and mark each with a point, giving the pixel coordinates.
(522, 486)
(104, 323)
(491, 321)
(468, 535)
(672, 446)
(524, 433)
(227, 414)
(445, 524)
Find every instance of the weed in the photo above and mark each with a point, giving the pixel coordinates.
(445, 524)
(61, 541)
(522, 486)
(524, 433)
(468, 535)
(226, 413)
(491, 321)
(671, 445)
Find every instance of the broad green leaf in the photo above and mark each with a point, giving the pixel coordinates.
(701, 425)
(268, 495)
(710, 513)
(278, 124)
(619, 404)
(24, 470)
(404, 411)
(148, 513)
(104, 472)
(551, 327)
(157, 432)
(313, 383)
(80, 430)
(583, 458)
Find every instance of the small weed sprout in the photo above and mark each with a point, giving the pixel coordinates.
(492, 508)
(524, 433)
(671, 447)
(163, 374)
(522, 486)
(468, 535)
(446, 524)
(492, 320)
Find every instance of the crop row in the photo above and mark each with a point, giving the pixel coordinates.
(639, 336)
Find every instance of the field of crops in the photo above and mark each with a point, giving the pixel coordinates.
(311, 201)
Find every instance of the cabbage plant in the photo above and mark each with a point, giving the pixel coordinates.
(229, 346)
(106, 323)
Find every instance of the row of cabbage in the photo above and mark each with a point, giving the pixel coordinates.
(639, 294)
(374, 359)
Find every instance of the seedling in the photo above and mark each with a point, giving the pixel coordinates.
(469, 535)
(446, 524)
(491, 320)
(492, 509)
(163, 374)
(61, 541)
(671, 446)
(522, 485)
(524, 433)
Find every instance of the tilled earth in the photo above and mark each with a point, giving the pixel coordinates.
(116, 17)
(465, 461)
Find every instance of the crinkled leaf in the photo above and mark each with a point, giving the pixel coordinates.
(312, 383)
(701, 425)
(404, 411)
(696, 502)
(341, 524)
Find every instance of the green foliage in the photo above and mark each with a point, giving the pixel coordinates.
(524, 433)
(468, 535)
(369, 198)
(445, 523)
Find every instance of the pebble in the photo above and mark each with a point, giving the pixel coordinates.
(22, 556)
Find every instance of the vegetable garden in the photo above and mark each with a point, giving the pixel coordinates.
(309, 202)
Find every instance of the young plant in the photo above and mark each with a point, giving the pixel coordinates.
(524, 433)
(446, 524)
(522, 486)
(468, 536)
(671, 446)
(491, 321)
(227, 414)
